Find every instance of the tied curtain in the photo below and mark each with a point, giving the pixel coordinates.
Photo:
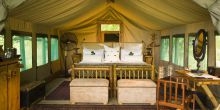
(23, 44)
(6, 5)
(213, 7)
(178, 50)
(164, 50)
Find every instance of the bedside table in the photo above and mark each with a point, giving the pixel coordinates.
(148, 59)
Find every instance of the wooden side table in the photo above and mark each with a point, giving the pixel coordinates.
(203, 83)
(76, 58)
(148, 59)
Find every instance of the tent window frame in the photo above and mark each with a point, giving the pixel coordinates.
(101, 34)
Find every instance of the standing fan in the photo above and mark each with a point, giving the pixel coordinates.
(68, 43)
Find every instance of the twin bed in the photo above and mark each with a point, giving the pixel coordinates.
(114, 70)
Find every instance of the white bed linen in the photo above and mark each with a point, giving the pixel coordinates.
(111, 54)
(93, 55)
(118, 62)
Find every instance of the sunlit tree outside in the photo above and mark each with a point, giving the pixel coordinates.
(110, 27)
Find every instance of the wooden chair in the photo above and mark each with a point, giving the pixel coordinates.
(173, 93)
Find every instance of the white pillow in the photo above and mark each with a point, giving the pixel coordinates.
(133, 59)
(111, 54)
(111, 57)
(93, 55)
(125, 52)
(93, 51)
(131, 55)
(92, 58)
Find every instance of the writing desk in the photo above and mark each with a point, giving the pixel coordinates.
(203, 82)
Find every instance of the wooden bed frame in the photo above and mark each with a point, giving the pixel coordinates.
(95, 72)
(113, 73)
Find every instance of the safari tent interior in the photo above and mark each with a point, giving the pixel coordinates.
(109, 54)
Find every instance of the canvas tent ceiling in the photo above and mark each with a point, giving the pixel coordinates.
(150, 14)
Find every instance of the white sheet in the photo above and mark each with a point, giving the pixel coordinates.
(118, 62)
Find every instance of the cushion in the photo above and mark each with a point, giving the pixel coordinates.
(133, 54)
(136, 83)
(87, 51)
(92, 58)
(89, 83)
(111, 54)
(136, 58)
(92, 55)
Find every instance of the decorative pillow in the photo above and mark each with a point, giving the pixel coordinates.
(131, 55)
(92, 58)
(135, 58)
(93, 51)
(92, 55)
(125, 52)
(111, 54)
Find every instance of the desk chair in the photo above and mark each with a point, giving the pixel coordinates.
(173, 93)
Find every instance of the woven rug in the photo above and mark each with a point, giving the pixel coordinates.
(62, 92)
(93, 107)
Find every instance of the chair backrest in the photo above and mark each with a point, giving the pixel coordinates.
(172, 93)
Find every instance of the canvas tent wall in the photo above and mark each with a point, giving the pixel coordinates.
(140, 19)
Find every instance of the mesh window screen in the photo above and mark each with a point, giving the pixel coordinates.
(54, 48)
(164, 49)
(178, 50)
(23, 44)
(42, 49)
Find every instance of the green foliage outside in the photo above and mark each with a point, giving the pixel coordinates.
(178, 51)
(110, 27)
(164, 50)
(54, 49)
(42, 50)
